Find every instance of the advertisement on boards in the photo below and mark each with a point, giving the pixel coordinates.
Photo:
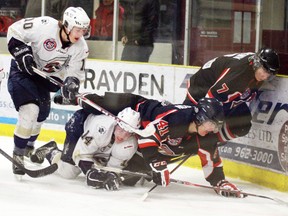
(265, 146)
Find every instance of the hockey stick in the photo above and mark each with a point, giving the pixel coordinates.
(187, 183)
(32, 173)
(145, 195)
(279, 201)
(147, 131)
(42, 74)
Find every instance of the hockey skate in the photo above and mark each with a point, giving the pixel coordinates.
(28, 151)
(20, 160)
(40, 153)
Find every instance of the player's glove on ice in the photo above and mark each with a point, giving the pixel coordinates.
(70, 88)
(161, 174)
(24, 58)
(98, 179)
(227, 189)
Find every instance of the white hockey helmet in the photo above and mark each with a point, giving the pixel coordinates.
(130, 117)
(75, 17)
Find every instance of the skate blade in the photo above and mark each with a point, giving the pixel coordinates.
(18, 177)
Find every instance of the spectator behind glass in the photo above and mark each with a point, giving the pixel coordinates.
(104, 20)
(140, 23)
(53, 8)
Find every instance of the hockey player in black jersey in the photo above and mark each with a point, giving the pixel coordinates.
(234, 80)
(178, 131)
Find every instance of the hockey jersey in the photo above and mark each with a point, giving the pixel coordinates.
(172, 138)
(171, 124)
(229, 78)
(96, 143)
(43, 34)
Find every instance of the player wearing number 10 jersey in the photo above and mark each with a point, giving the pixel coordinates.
(56, 47)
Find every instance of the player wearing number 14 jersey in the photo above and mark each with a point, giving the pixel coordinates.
(56, 47)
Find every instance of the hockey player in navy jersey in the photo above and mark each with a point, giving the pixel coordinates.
(59, 49)
(234, 80)
(93, 139)
(178, 131)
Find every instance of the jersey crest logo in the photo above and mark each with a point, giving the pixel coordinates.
(50, 44)
(174, 142)
(102, 130)
(246, 93)
(44, 21)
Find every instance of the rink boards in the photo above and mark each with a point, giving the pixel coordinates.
(260, 157)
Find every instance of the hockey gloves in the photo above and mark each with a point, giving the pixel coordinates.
(227, 189)
(70, 88)
(161, 174)
(98, 179)
(24, 58)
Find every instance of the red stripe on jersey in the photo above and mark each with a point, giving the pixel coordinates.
(191, 98)
(145, 123)
(218, 164)
(147, 144)
(223, 74)
(220, 138)
(160, 116)
(137, 105)
(209, 94)
(232, 136)
(233, 96)
(203, 158)
(158, 137)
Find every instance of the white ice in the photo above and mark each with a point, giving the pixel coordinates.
(52, 195)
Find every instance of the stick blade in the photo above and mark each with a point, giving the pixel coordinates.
(144, 197)
(42, 172)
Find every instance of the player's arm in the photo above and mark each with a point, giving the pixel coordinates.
(149, 148)
(75, 70)
(213, 171)
(18, 36)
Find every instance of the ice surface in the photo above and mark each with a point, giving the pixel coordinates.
(53, 195)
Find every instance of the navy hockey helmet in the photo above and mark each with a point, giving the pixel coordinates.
(210, 109)
(269, 59)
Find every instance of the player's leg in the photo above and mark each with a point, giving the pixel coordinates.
(24, 94)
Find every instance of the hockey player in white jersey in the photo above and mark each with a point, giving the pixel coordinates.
(93, 140)
(59, 49)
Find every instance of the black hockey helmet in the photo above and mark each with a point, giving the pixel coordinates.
(269, 59)
(210, 109)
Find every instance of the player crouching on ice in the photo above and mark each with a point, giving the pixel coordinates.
(93, 140)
